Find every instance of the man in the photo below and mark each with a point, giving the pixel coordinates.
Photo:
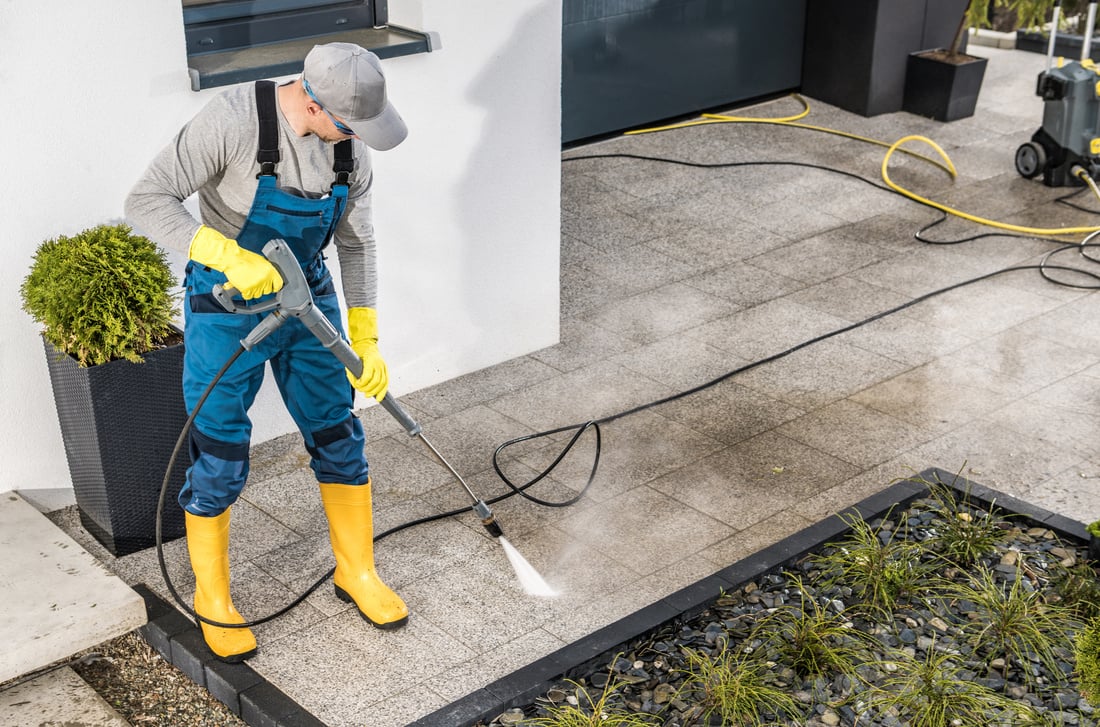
(288, 162)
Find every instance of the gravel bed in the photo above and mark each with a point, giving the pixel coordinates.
(648, 674)
(147, 690)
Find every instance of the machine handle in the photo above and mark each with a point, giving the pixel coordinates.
(1086, 46)
(1057, 15)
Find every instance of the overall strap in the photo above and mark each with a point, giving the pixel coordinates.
(268, 155)
(343, 163)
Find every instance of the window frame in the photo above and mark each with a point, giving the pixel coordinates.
(235, 41)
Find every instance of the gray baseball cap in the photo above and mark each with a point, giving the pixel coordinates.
(348, 81)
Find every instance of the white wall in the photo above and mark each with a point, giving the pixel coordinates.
(467, 209)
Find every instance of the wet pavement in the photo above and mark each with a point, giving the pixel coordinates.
(672, 276)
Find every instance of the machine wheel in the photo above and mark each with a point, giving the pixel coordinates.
(1031, 160)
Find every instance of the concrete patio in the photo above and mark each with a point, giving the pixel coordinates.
(672, 276)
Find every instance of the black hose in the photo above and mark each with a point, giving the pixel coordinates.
(183, 437)
(595, 423)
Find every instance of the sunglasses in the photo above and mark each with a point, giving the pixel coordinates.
(341, 127)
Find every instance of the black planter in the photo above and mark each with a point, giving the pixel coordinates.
(855, 51)
(120, 422)
(942, 90)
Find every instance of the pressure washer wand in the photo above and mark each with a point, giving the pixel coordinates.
(354, 364)
(390, 404)
(295, 300)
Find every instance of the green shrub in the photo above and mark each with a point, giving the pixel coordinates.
(883, 569)
(806, 636)
(962, 534)
(1076, 588)
(101, 295)
(592, 712)
(1086, 648)
(1014, 621)
(932, 692)
(735, 687)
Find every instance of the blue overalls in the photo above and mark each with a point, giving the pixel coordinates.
(311, 380)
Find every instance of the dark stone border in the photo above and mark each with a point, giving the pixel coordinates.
(521, 687)
(260, 704)
(238, 686)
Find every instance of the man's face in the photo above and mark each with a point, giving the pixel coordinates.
(328, 127)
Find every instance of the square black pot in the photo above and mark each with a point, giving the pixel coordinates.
(942, 90)
(120, 422)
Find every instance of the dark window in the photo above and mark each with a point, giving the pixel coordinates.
(235, 24)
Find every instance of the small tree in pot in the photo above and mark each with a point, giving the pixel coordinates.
(943, 83)
(104, 299)
(979, 14)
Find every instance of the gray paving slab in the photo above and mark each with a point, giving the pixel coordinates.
(752, 480)
(767, 329)
(906, 340)
(834, 370)
(847, 298)
(855, 433)
(57, 598)
(822, 257)
(59, 697)
(648, 317)
(730, 412)
(673, 275)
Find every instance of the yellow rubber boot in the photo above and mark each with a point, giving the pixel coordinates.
(351, 530)
(208, 544)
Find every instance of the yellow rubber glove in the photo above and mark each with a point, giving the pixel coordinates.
(363, 332)
(249, 273)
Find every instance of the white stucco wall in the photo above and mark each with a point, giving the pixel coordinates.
(467, 209)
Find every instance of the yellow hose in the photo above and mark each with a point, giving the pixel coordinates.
(782, 121)
(1042, 231)
(947, 165)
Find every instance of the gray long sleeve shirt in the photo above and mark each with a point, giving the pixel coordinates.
(214, 155)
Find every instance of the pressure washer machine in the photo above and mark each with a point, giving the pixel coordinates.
(1068, 143)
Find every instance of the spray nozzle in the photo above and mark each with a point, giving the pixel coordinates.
(493, 527)
(488, 519)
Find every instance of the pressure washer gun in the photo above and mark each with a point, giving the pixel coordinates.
(294, 300)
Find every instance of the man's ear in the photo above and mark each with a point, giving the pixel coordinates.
(312, 107)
